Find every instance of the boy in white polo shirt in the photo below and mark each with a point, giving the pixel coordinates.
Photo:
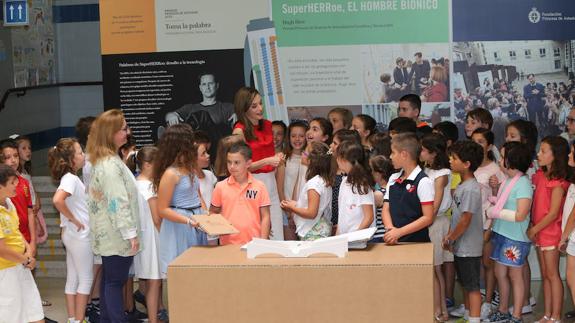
(408, 202)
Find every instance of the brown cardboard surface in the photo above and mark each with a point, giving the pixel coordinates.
(379, 284)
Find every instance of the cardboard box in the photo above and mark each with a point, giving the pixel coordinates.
(378, 284)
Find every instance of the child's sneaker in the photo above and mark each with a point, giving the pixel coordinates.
(140, 298)
(532, 301)
(514, 319)
(450, 304)
(498, 317)
(458, 311)
(163, 315)
(93, 313)
(486, 310)
(495, 300)
(136, 316)
(527, 309)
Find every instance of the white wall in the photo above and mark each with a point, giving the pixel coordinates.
(78, 51)
(78, 60)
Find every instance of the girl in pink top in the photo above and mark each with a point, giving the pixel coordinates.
(548, 199)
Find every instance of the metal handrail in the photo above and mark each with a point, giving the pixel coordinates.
(21, 91)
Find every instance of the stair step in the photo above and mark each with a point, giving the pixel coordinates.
(52, 258)
(46, 199)
(53, 236)
(52, 269)
(48, 208)
(44, 184)
(53, 230)
(52, 220)
(51, 244)
(48, 215)
(43, 252)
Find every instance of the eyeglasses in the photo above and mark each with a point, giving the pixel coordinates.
(570, 120)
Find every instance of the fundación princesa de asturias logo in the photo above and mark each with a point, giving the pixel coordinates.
(534, 15)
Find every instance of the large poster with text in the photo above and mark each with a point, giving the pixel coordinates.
(175, 61)
(365, 54)
(167, 62)
(516, 61)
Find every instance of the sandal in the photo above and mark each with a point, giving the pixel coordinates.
(544, 319)
(46, 303)
(441, 317)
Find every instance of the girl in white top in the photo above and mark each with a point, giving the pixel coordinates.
(434, 156)
(64, 160)
(355, 200)
(567, 242)
(147, 262)
(207, 179)
(312, 211)
(291, 172)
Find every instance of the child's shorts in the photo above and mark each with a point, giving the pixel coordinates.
(548, 238)
(468, 270)
(437, 231)
(321, 229)
(285, 218)
(571, 247)
(509, 252)
(19, 297)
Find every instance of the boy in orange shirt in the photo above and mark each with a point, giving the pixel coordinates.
(242, 199)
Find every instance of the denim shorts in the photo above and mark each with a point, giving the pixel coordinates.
(509, 252)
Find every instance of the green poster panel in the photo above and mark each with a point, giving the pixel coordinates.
(344, 22)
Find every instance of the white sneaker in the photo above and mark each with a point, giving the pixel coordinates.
(532, 301)
(526, 309)
(486, 309)
(458, 311)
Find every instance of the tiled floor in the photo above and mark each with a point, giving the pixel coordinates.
(52, 290)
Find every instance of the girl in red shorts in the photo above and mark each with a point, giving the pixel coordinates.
(545, 232)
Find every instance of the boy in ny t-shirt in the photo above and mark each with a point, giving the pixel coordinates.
(23, 199)
(242, 199)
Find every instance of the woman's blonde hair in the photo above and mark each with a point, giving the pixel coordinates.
(101, 138)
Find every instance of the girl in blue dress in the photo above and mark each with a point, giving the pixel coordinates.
(178, 190)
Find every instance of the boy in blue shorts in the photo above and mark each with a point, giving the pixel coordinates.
(465, 238)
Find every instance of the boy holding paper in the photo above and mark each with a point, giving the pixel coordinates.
(242, 199)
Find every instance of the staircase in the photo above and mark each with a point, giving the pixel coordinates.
(51, 258)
